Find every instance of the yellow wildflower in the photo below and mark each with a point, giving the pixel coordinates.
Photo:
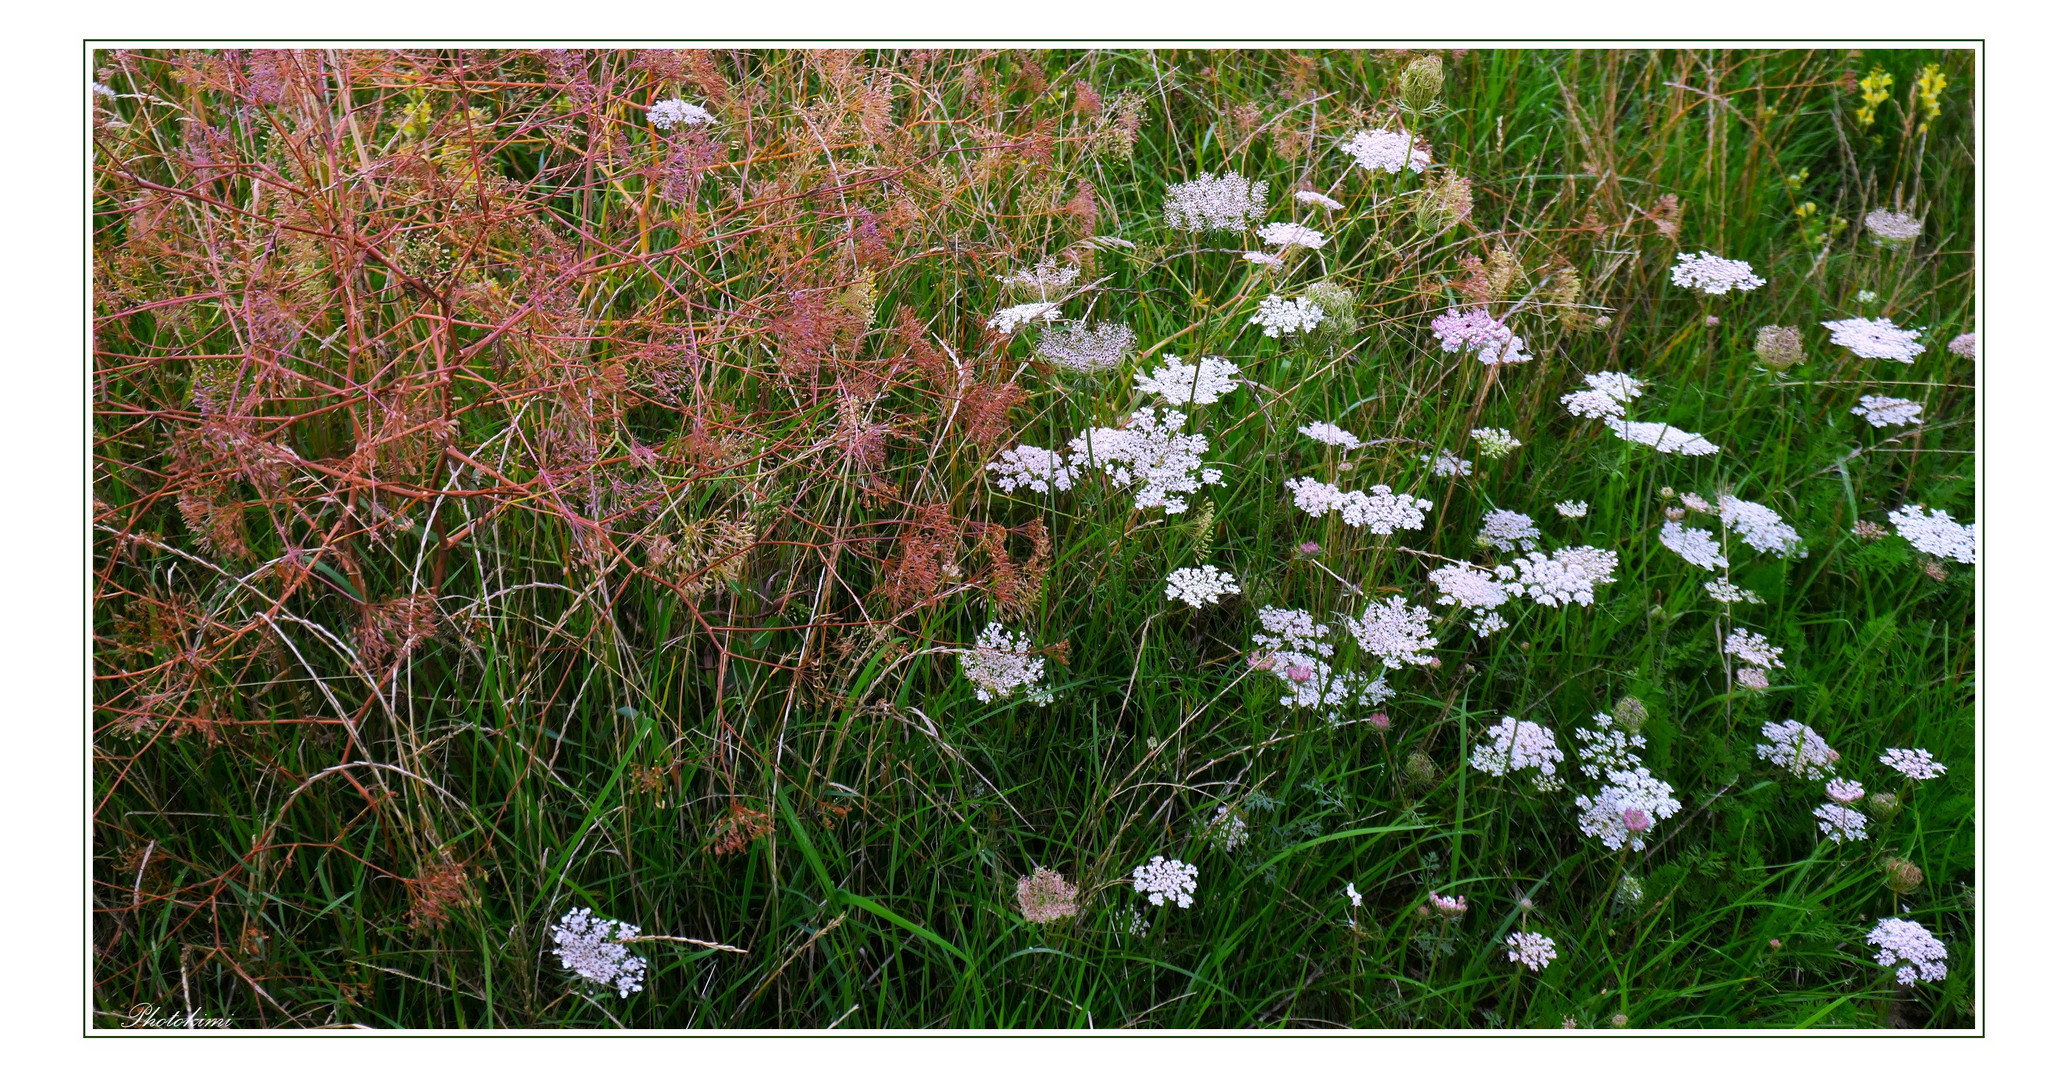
(1875, 91)
(1931, 83)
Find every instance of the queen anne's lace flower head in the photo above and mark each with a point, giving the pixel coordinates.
(1181, 383)
(1000, 662)
(1630, 804)
(1964, 346)
(675, 113)
(1606, 747)
(1593, 405)
(1270, 262)
(1875, 339)
(1567, 576)
(1841, 824)
(1086, 349)
(1665, 438)
(1226, 830)
(1317, 198)
(1845, 791)
(1380, 511)
(1394, 633)
(1451, 907)
(1882, 412)
(1477, 590)
(1479, 332)
(1330, 434)
(1033, 468)
(593, 949)
(1197, 586)
(1917, 764)
(1761, 528)
(1753, 649)
(1797, 749)
(1046, 280)
(1891, 226)
(1935, 533)
(1007, 320)
(1277, 315)
(1531, 949)
(1292, 648)
(1447, 463)
(1713, 274)
(1167, 881)
(1519, 746)
(1387, 150)
(1725, 592)
(1616, 385)
(1046, 896)
(1695, 545)
(1912, 949)
(1152, 453)
(1213, 203)
(1284, 234)
(1494, 443)
(1572, 508)
(1508, 530)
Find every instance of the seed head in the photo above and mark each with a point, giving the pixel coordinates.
(1419, 770)
(1422, 81)
(1779, 346)
(1901, 875)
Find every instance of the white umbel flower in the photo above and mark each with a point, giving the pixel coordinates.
(1447, 463)
(1912, 949)
(1481, 333)
(1508, 530)
(1695, 545)
(1495, 443)
(1567, 576)
(1892, 226)
(1007, 320)
(1165, 880)
(1152, 453)
(1270, 262)
(1317, 198)
(1572, 508)
(1086, 349)
(675, 112)
(1882, 412)
(1330, 435)
(1474, 589)
(1046, 280)
(1031, 467)
(1520, 746)
(1758, 527)
(1213, 203)
(1394, 633)
(1724, 591)
(1380, 511)
(592, 948)
(1665, 438)
(1616, 385)
(1935, 533)
(1531, 949)
(1797, 749)
(1000, 662)
(1386, 150)
(1284, 234)
(1875, 339)
(1917, 764)
(1713, 274)
(1197, 586)
(1593, 405)
(1277, 315)
(1841, 824)
(1607, 748)
(1181, 383)
(1627, 808)
(1753, 649)
(1227, 831)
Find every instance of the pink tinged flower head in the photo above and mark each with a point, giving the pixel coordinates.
(1637, 820)
(1531, 949)
(1911, 949)
(1451, 907)
(1917, 764)
(1844, 791)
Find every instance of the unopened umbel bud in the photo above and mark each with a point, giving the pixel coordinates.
(1422, 81)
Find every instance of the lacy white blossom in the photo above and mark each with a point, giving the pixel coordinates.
(1181, 383)
(1797, 749)
(1567, 576)
(1166, 880)
(1883, 412)
(1277, 315)
(1000, 662)
(1477, 590)
(1031, 467)
(1964, 346)
(1572, 508)
(1761, 528)
(1892, 226)
(1935, 533)
(1314, 497)
(1841, 824)
(1272, 262)
(1447, 463)
(1087, 349)
(1845, 791)
(1615, 385)
(1197, 586)
(1917, 764)
(102, 90)
(1151, 452)
(1227, 831)
(1593, 405)
(591, 948)
(1481, 333)
(1387, 150)
(1665, 438)
(1293, 647)
(1627, 808)
(1911, 949)
(675, 112)
(1045, 280)
(1695, 545)
(1287, 234)
(1713, 274)
(1351, 890)
(1494, 443)
(1213, 203)
(1330, 434)
(1753, 649)
(1317, 198)
(1725, 592)
(1607, 747)
(1531, 949)
(1507, 530)
(1875, 339)
(1379, 511)
(1520, 746)
(1007, 320)
(1394, 633)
